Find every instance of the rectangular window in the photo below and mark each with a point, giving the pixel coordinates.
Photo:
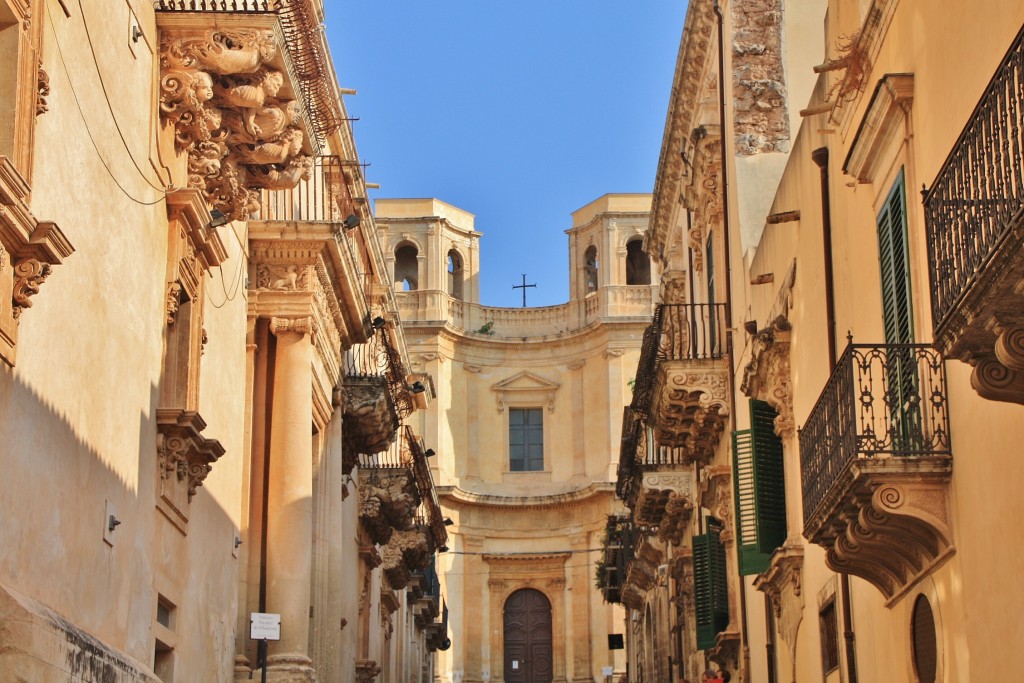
(760, 489)
(829, 628)
(526, 439)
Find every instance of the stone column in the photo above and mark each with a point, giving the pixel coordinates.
(290, 509)
(580, 573)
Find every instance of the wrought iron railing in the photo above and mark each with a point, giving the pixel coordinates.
(881, 401)
(399, 455)
(302, 31)
(323, 197)
(379, 357)
(678, 332)
(978, 195)
(430, 514)
(620, 541)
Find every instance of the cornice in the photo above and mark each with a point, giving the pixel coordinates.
(455, 496)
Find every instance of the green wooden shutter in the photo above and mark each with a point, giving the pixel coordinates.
(760, 490)
(898, 319)
(710, 586)
(894, 261)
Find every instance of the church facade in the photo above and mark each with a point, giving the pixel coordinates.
(526, 421)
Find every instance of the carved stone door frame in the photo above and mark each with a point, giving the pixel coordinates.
(542, 572)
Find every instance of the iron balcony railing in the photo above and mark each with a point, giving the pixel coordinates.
(640, 453)
(399, 455)
(429, 514)
(379, 358)
(323, 197)
(678, 332)
(881, 401)
(978, 195)
(310, 65)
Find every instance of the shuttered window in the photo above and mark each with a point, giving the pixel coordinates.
(924, 644)
(760, 490)
(894, 260)
(711, 590)
(898, 319)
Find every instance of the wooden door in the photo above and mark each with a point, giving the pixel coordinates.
(528, 637)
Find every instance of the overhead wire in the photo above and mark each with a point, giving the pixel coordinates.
(88, 131)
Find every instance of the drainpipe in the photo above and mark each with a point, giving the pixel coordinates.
(744, 649)
(820, 157)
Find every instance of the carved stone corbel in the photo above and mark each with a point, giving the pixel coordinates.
(406, 552)
(386, 503)
(782, 584)
(366, 670)
(185, 458)
(691, 404)
(767, 377)
(29, 275)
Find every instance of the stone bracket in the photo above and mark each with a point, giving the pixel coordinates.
(691, 402)
(891, 527)
(185, 459)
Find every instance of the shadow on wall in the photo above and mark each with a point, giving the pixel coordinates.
(75, 594)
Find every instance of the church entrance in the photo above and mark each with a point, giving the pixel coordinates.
(528, 637)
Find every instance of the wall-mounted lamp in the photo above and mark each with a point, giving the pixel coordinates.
(448, 521)
(112, 523)
(429, 453)
(378, 323)
(750, 326)
(443, 549)
(238, 541)
(417, 387)
(350, 222)
(217, 218)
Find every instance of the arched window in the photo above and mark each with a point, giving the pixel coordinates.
(638, 264)
(455, 274)
(590, 270)
(407, 267)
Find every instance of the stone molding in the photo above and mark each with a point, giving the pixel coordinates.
(228, 94)
(768, 377)
(366, 670)
(690, 404)
(525, 388)
(29, 248)
(888, 523)
(782, 584)
(185, 458)
(694, 63)
(885, 117)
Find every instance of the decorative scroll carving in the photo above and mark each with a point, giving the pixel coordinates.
(173, 301)
(664, 498)
(891, 524)
(406, 552)
(185, 459)
(782, 583)
(366, 670)
(29, 276)
(222, 96)
(387, 503)
(302, 325)
(690, 406)
(678, 510)
(767, 376)
(673, 287)
(42, 90)
(370, 419)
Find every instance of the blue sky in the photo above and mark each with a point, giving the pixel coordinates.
(518, 112)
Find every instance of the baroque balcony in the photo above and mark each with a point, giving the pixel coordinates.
(388, 496)
(876, 462)
(682, 379)
(376, 397)
(249, 91)
(621, 537)
(656, 482)
(974, 215)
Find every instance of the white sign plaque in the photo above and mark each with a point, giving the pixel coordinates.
(265, 626)
(607, 670)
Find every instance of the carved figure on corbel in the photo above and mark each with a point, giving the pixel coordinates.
(173, 300)
(184, 98)
(767, 376)
(673, 287)
(249, 92)
(227, 190)
(279, 151)
(678, 509)
(366, 670)
(287, 278)
(29, 275)
(281, 176)
(223, 51)
(42, 90)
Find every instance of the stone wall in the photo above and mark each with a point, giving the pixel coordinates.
(759, 85)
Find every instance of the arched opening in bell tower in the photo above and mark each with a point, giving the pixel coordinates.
(407, 268)
(455, 274)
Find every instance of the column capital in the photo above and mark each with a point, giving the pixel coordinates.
(303, 325)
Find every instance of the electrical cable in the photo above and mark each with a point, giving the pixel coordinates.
(110, 108)
(85, 122)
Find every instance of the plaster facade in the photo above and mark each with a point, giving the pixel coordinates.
(884, 565)
(190, 281)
